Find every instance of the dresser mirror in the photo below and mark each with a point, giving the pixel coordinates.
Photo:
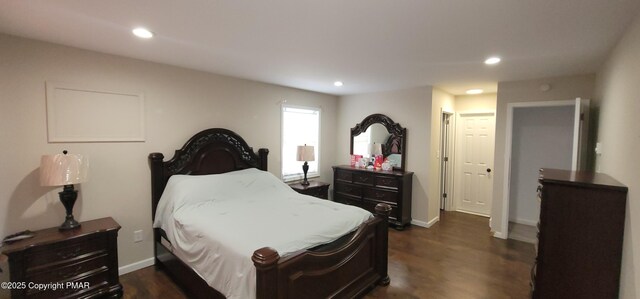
(377, 133)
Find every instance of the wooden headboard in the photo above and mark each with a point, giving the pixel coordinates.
(211, 151)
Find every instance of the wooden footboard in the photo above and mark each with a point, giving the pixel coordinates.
(345, 272)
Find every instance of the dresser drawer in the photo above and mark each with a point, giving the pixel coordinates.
(390, 197)
(63, 252)
(363, 178)
(387, 182)
(348, 189)
(345, 176)
(368, 187)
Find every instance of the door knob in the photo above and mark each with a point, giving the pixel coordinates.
(488, 169)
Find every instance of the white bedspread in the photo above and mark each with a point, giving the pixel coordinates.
(216, 222)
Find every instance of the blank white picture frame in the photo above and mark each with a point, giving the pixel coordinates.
(81, 114)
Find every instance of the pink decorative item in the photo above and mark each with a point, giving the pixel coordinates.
(355, 159)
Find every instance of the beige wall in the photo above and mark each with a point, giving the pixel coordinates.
(179, 103)
(485, 102)
(618, 96)
(562, 88)
(411, 109)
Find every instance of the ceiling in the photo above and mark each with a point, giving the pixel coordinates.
(370, 45)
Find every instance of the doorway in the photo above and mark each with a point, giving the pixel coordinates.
(539, 135)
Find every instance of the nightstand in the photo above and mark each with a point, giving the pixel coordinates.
(315, 188)
(77, 263)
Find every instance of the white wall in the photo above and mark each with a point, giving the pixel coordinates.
(542, 138)
(179, 103)
(618, 91)
(562, 88)
(411, 109)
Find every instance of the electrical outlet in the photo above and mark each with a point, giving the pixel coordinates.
(137, 236)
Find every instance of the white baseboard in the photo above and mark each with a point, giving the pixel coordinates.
(499, 235)
(433, 221)
(525, 221)
(419, 223)
(472, 213)
(136, 266)
(425, 224)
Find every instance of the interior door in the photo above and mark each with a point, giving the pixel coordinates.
(580, 133)
(446, 162)
(474, 157)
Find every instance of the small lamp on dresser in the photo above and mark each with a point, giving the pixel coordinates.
(305, 153)
(65, 170)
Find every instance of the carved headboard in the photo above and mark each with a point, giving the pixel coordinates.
(211, 151)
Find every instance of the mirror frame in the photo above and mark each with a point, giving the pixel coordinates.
(398, 135)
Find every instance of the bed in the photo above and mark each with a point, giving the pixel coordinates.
(345, 268)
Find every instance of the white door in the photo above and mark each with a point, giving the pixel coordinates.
(474, 160)
(446, 165)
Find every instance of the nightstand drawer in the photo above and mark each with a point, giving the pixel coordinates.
(321, 192)
(314, 188)
(64, 252)
(76, 288)
(70, 272)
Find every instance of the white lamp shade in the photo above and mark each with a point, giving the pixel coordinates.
(63, 169)
(306, 153)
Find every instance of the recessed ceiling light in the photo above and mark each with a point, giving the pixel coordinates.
(338, 83)
(492, 60)
(142, 32)
(474, 91)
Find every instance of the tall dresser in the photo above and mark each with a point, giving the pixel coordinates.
(580, 235)
(366, 188)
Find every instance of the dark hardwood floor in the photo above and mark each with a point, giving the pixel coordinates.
(455, 258)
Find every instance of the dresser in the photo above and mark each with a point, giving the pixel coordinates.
(580, 235)
(315, 188)
(77, 263)
(366, 188)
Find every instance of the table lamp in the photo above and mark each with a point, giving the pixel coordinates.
(305, 153)
(65, 170)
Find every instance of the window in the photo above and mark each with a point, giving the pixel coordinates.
(300, 126)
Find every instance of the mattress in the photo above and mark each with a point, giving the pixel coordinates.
(216, 222)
